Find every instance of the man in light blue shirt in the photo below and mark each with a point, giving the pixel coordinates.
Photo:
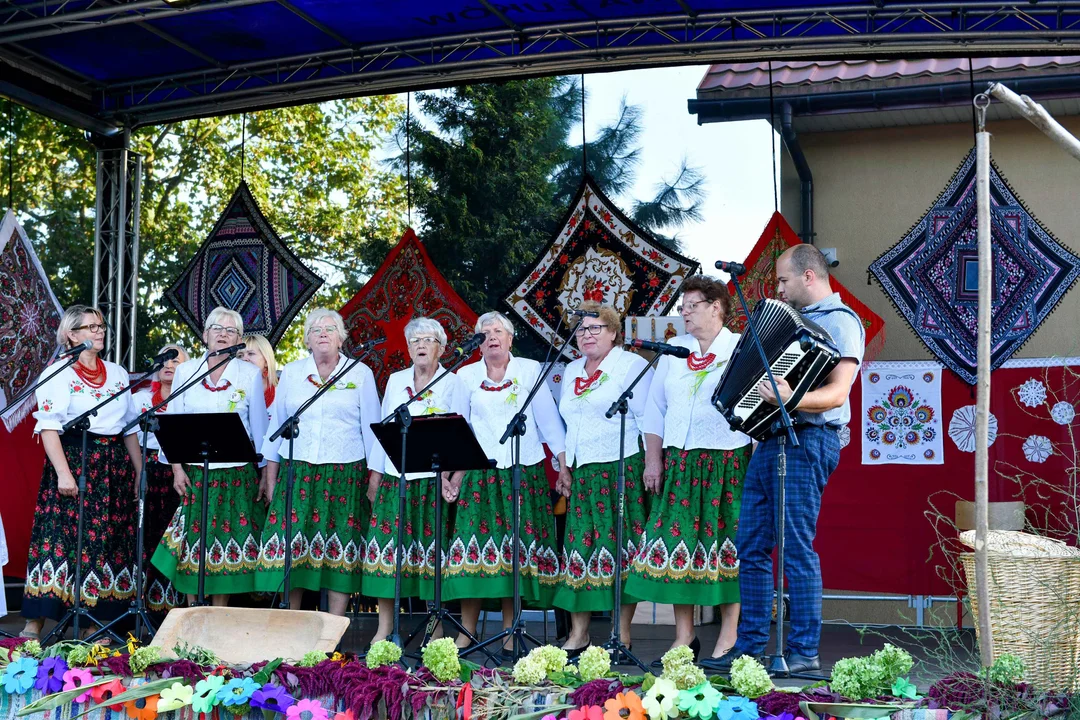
(802, 276)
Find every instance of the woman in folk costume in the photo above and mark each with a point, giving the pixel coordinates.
(329, 510)
(426, 339)
(478, 563)
(161, 498)
(112, 464)
(260, 353)
(232, 535)
(590, 385)
(695, 464)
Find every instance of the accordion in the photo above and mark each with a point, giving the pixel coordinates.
(798, 350)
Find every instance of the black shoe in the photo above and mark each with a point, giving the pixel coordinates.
(576, 652)
(720, 665)
(695, 645)
(797, 663)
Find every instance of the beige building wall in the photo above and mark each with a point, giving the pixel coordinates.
(871, 186)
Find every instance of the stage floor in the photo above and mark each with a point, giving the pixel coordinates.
(937, 652)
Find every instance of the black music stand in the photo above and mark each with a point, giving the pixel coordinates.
(441, 443)
(200, 439)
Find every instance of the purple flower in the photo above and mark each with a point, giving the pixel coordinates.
(271, 697)
(50, 676)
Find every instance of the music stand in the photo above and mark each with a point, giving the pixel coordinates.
(441, 443)
(200, 439)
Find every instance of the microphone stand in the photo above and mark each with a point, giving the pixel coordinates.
(290, 429)
(26, 393)
(437, 613)
(77, 611)
(200, 598)
(777, 662)
(516, 429)
(615, 645)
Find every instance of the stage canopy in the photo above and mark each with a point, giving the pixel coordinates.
(106, 64)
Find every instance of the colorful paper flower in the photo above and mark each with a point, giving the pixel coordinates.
(238, 691)
(347, 715)
(143, 708)
(50, 675)
(630, 702)
(700, 701)
(175, 696)
(103, 693)
(273, 698)
(904, 688)
(20, 676)
(206, 694)
(587, 712)
(314, 710)
(76, 678)
(735, 707)
(662, 700)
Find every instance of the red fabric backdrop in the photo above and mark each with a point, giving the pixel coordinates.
(20, 474)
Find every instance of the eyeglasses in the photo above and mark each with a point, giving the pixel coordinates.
(591, 329)
(324, 330)
(425, 340)
(93, 327)
(230, 331)
(690, 306)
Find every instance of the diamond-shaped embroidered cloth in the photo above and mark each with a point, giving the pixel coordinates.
(405, 286)
(597, 254)
(245, 266)
(759, 283)
(932, 277)
(29, 317)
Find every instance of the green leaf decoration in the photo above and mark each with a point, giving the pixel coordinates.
(263, 676)
(467, 670)
(64, 697)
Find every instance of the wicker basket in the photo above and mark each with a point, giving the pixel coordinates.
(1034, 614)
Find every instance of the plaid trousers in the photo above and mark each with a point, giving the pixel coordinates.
(808, 469)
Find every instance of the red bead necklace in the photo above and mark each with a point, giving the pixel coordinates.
(582, 384)
(221, 388)
(496, 388)
(156, 397)
(697, 363)
(94, 377)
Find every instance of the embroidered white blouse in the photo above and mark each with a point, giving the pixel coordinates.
(591, 437)
(337, 427)
(490, 410)
(144, 400)
(65, 396)
(448, 396)
(239, 390)
(680, 408)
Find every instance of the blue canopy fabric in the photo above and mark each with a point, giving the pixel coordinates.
(133, 62)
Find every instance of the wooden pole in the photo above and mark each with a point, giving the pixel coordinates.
(982, 392)
(1037, 115)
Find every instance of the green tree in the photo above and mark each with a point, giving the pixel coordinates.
(493, 175)
(311, 168)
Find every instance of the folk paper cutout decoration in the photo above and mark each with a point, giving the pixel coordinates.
(931, 275)
(405, 286)
(597, 254)
(902, 420)
(245, 266)
(759, 283)
(29, 318)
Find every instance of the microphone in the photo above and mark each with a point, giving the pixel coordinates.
(166, 356)
(364, 347)
(584, 313)
(732, 267)
(661, 348)
(84, 345)
(470, 346)
(228, 351)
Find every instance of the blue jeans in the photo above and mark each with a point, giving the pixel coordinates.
(808, 469)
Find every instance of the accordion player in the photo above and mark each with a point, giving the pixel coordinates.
(798, 350)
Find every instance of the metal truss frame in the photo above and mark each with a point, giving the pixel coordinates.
(116, 246)
(877, 28)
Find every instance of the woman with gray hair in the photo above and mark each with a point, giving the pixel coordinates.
(161, 499)
(427, 340)
(479, 559)
(112, 463)
(232, 533)
(329, 510)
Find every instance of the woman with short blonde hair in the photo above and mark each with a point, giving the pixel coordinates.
(260, 353)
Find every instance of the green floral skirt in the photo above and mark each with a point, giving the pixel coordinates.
(232, 536)
(586, 582)
(329, 515)
(479, 561)
(687, 555)
(418, 563)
